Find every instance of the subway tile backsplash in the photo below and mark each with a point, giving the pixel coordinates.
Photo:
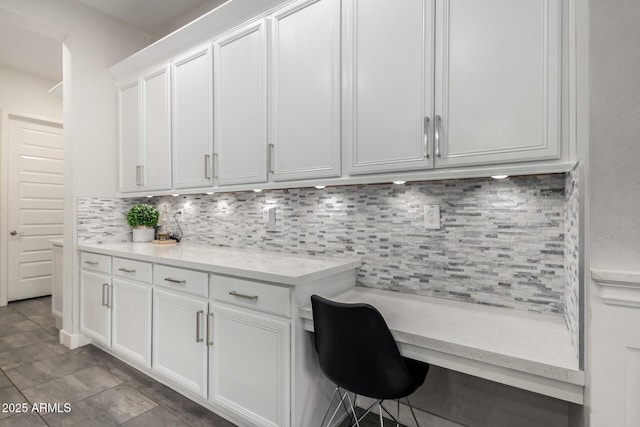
(502, 242)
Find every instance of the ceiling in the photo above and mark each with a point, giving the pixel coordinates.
(41, 56)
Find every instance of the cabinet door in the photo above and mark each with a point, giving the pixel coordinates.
(131, 313)
(240, 96)
(250, 365)
(156, 131)
(497, 81)
(130, 159)
(192, 120)
(56, 293)
(388, 96)
(305, 90)
(179, 349)
(95, 306)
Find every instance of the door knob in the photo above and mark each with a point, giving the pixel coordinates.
(14, 233)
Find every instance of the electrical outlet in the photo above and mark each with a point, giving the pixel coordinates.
(179, 214)
(269, 215)
(432, 217)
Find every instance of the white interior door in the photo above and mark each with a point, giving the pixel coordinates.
(35, 208)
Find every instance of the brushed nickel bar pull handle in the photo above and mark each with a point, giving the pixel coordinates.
(127, 270)
(91, 262)
(209, 329)
(172, 280)
(436, 132)
(426, 137)
(104, 287)
(110, 296)
(245, 296)
(270, 158)
(207, 160)
(198, 317)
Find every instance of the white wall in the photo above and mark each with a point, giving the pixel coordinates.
(613, 215)
(92, 42)
(23, 93)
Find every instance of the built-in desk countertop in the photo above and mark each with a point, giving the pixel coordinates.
(525, 350)
(269, 266)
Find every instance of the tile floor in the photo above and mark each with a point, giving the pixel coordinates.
(102, 390)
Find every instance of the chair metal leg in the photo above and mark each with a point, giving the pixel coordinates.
(329, 407)
(413, 413)
(353, 411)
(380, 411)
(398, 413)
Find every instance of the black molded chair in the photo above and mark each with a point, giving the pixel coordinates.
(358, 353)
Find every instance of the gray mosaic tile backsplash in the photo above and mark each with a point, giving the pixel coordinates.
(571, 256)
(502, 242)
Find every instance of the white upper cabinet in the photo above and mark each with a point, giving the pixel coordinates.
(388, 86)
(129, 150)
(192, 119)
(497, 81)
(240, 106)
(145, 133)
(305, 90)
(156, 130)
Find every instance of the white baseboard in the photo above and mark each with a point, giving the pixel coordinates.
(424, 418)
(73, 341)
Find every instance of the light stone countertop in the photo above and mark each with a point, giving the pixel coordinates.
(519, 341)
(278, 267)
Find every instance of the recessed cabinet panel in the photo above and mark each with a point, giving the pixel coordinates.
(95, 310)
(388, 91)
(157, 131)
(305, 90)
(132, 321)
(130, 153)
(240, 96)
(249, 372)
(179, 347)
(192, 120)
(497, 81)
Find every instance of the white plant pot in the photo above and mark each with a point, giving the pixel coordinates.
(144, 234)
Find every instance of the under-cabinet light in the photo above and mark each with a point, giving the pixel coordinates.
(208, 193)
(148, 197)
(175, 195)
(257, 190)
(499, 176)
(320, 187)
(399, 182)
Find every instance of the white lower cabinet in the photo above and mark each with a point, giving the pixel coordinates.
(131, 321)
(179, 346)
(95, 306)
(250, 364)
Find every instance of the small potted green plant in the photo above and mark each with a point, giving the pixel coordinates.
(143, 219)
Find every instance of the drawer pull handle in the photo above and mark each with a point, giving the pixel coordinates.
(172, 280)
(209, 329)
(199, 314)
(91, 262)
(105, 291)
(127, 270)
(245, 296)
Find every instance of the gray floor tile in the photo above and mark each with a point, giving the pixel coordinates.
(4, 381)
(23, 339)
(132, 376)
(44, 320)
(29, 419)
(189, 411)
(27, 376)
(156, 417)
(10, 316)
(73, 387)
(17, 327)
(30, 307)
(10, 395)
(111, 407)
(31, 353)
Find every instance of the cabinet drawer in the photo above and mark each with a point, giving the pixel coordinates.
(95, 262)
(181, 279)
(259, 296)
(136, 270)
